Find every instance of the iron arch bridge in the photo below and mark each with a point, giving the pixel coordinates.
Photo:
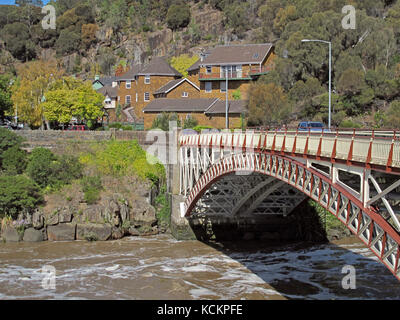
(354, 175)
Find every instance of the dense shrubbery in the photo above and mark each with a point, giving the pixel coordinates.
(48, 170)
(120, 158)
(18, 194)
(8, 139)
(39, 168)
(14, 160)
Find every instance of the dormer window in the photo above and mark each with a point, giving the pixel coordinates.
(147, 79)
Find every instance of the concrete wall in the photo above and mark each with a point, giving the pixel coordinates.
(55, 138)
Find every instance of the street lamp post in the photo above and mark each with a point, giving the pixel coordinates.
(330, 75)
(226, 100)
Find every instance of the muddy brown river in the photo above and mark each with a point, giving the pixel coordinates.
(162, 268)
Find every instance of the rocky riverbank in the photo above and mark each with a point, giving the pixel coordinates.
(66, 217)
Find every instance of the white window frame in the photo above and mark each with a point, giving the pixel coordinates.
(222, 84)
(205, 87)
(137, 97)
(185, 94)
(147, 79)
(146, 93)
(128, 84)
(208, 69)
(126, 99)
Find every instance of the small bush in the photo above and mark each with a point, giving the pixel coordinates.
(190, 123)
(350, 124)
(91, 187)
(163, 208)
(91, 236)
(200, 128)
(14, 160)
(115, 125)
(65, 170)
(127, 128)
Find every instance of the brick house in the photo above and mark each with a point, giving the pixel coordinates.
(145, 91)
(241, 64)
(136, 86)
(179, 88)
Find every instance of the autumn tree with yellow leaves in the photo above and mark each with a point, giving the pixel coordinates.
(34, 80)
(183, 62)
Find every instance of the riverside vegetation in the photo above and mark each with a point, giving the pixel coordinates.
(106, 192)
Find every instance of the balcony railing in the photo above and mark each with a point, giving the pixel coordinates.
(259, 70)
(235, 75)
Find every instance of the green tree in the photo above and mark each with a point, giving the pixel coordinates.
(18, 41)
(392, 115)
(163, 119)
(5, 95)
(8, 139)
(190, 123)
(267, 105)
(237, 17)
(178, 16)
(68, 42)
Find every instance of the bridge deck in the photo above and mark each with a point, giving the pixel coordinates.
(377, 149)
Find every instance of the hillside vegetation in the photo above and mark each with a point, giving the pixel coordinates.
(102, 36)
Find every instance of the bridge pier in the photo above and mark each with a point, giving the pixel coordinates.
(180, 226)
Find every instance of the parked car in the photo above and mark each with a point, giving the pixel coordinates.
(312, 126)
(78, 127)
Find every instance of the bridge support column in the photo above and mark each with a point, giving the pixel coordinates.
(180, 227)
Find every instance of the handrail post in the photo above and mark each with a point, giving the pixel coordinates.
(369, 155)
(350, 155)
(390, 157)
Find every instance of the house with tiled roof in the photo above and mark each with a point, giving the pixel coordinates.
(206, 111)
(240, 64)
(145, 91)
(179, 88)
(110, 103)
(137, 85)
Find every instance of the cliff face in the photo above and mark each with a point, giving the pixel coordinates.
(108, 47)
